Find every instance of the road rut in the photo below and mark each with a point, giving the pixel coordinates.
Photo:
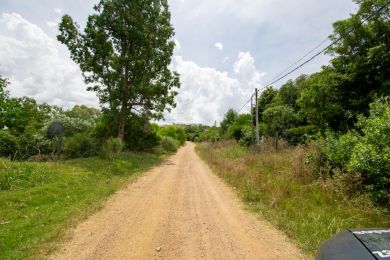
(178, 210)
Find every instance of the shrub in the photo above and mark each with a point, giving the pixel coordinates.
(300, 134)
(8, 144)
(338, 150)
(81, 145)
(169, 144)
(112, 148)
(371, 154)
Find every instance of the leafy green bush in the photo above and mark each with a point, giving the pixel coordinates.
(247, 136)
(8, 144)
(112, 148)
(300, 134)
(371, 154)
(81, 145)
(339, 149)
(365, 152)
(169, 144)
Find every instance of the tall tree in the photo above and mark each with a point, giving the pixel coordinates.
(124, 54)
(228, 120)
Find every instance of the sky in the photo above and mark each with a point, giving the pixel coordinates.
(224, 50)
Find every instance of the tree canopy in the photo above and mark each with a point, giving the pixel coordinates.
(124, 54)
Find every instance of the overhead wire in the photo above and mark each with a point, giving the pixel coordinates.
(281, 76)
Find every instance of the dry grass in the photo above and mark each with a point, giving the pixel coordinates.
(284, 187)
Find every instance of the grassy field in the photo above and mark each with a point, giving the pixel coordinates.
(40, 201)
(273, 185)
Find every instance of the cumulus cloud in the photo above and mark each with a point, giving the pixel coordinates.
(206, 93)
(219, 46)
(35, 66)
(177, 45)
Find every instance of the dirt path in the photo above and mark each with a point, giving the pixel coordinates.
(179, 210)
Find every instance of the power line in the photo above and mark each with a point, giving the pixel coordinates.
(279, 77)
(295, 63)
(246, 103)
(330, 45)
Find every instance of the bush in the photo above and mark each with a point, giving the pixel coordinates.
(8, 144)
(339, 149)
(112, 148)
(169, 144)
(371, 154)
(81, 145)
(300, 134)
(364, 152)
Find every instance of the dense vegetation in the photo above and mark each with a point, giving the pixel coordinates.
(280, 186)
(39, 202)
(344, 108)
(49, 182)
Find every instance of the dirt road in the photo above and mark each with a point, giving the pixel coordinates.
(179, 210)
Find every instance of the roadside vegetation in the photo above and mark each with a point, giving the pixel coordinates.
(323, 161)
(49, 182)
(39, 202)
(284, 187)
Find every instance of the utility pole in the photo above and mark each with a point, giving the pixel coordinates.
(253, 120)
(257, 120)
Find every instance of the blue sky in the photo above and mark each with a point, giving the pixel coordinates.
(225, 48)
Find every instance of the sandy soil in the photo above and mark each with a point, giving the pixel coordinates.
(178, 210)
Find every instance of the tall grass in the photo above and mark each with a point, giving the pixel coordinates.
(280, 186)
(40, 201)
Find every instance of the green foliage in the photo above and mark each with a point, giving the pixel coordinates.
(181, 136)
(278, 119)
(175, 132)
(365, 151)
(112, 148)
(371, 155)
(266, 98)
(278, 186)
(339, 149)
(81, 145)
(240, 126)
(8, 144)
(211, 134)
(39, 202)
(169, 144)
(194, 132)
(125, 57)
(228, 121)
(300, 134)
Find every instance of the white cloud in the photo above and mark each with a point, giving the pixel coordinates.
(52, 25)
(245, 68)
(225, 59)
(219, 46)
(177, 45)
(58, 10)
(35, 66)
(206, 93)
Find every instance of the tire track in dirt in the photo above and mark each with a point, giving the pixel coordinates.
(178, 210)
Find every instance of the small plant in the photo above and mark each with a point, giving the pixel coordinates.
(112, 148)
(169, 144)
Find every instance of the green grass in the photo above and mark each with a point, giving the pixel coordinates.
(40, 201)
(277, 186)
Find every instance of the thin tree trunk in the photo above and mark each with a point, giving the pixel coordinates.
(123, 112)
(122, 122)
